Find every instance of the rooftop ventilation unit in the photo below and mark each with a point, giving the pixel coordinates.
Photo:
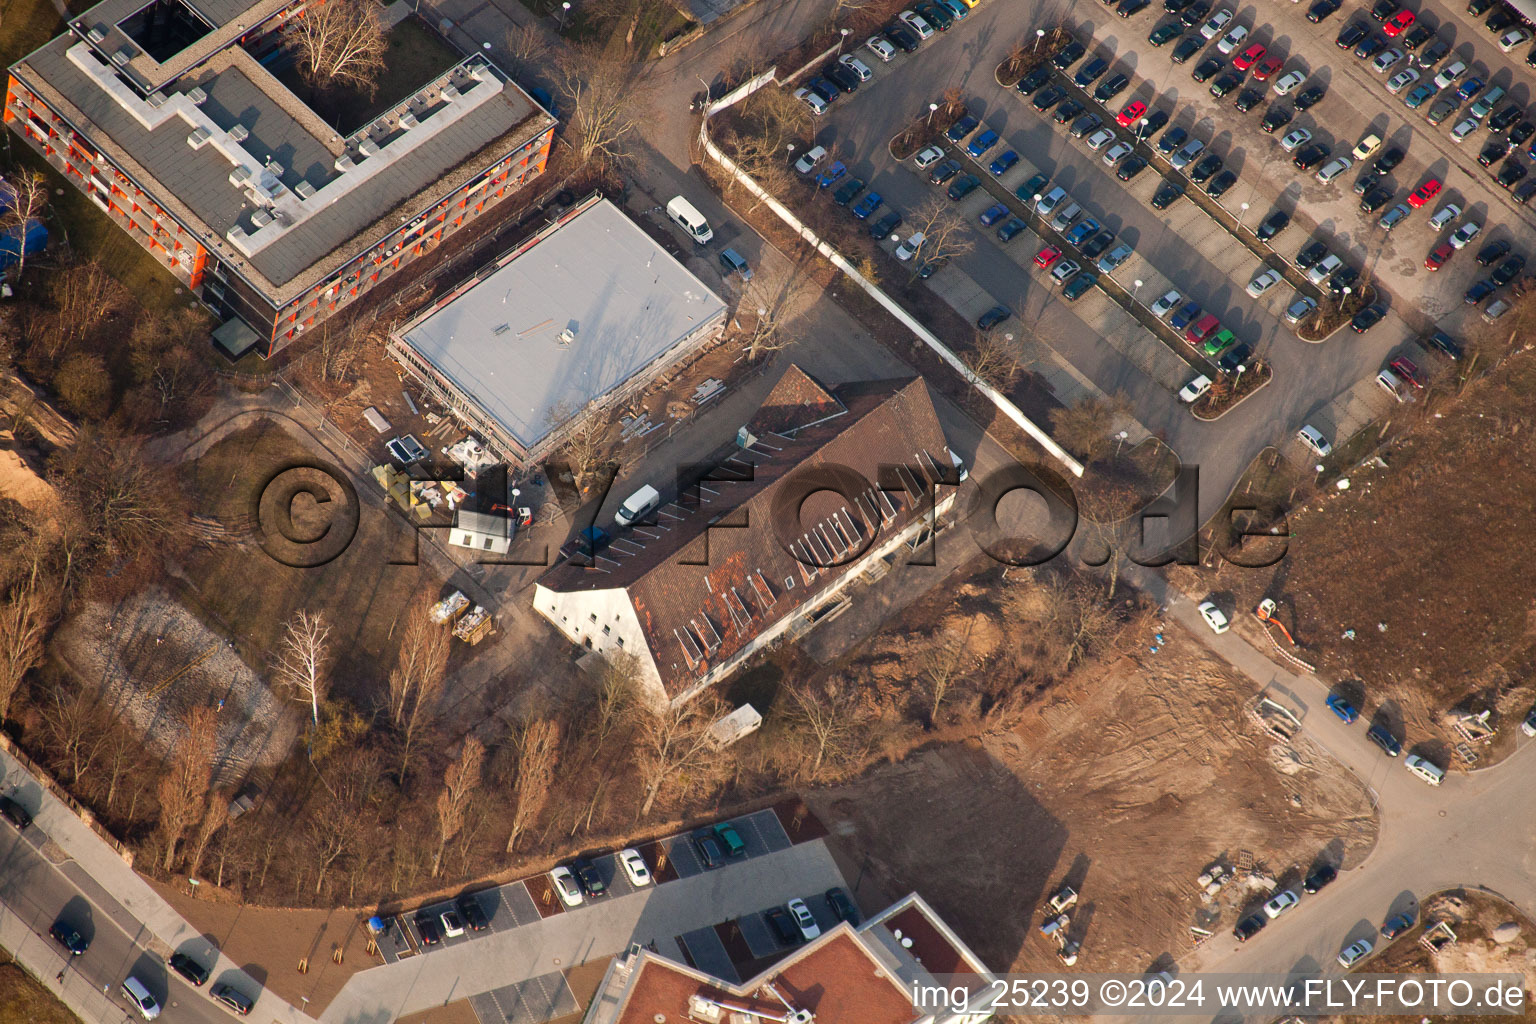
(197, 96)
(235, 234)
(368, 147)
(305, 190)
(156, 99)
(408, 121)
(239, 176)
(199, 138)
(261, 218)
(450, 94)
(239, 133)
(274, 168)
(345, 163)
(95, 35)
(477, 71)
(121, 58)
(566, 337)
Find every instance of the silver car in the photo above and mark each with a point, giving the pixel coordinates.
(1263, 281)
(1116, 256)
(1299, 308)
(1395, 216)
(1185, 156)
(1167, 304)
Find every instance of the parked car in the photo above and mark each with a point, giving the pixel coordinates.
(706, 845)
(1355, 952)
(1166, 304)
(1195, 389)
(1319, 446)
(1395, 926)
(1320, 878)
(1281, 902)
(68, 936)
(842, 906)
(565, 886)
(783, 926)
(805, 921)
(991, 318)
(14, 813)
(195, 973)
(1248, 927)
(234, 999)
(1378, 733)
(1214, 617)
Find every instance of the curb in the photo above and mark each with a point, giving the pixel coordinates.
(1342, 324)
(1234, 405)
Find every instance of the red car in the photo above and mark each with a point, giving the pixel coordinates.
(1266, 68)
(1249, 57)
(1132, 113)
(1202, 329)
(1395, 25)
(1404, 368)
(1424, 193)
(1437, 256)
(1045, 257)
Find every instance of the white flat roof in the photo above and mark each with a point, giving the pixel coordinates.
(624, 299)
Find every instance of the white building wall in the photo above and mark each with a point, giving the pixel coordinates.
(604, 621)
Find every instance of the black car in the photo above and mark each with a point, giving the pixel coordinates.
(1234, 357)
(847, 191)
(1363, 321)
(1095, 246)
(427, 927)
(1276, 118)
(1067, 111)
(1195, 14)
(1508, 270)
(708, 849)
(1045, 99)
(885, 225)
(1320, 877)
(1079, 286)
(1387, 161)
(1206, 69)
(1272, 225)
(1111, 88)
(1491, 252)
(1521, 132)
(1477, 7)
(1381, 10)
(1167, 194)
(1086, 125)
(1352, 34)
(1447, 345)
(1523, 192)
(1151, 124)
(1309, 97)
(14, 813)
(1320, 10)
(934, 14)
(842, 906)
(962, 187)
(902, 37)
(963, 127)
(1032, 189)
(943, 172)
(1204, 168)
(823, 88)
(1395, 926)
(1248, 99)
(1248, 927)
(841, 76)
(1172, 139)
(1375, 198)
(1130, 7)
(234, 999)
(1219, 184)
(991, 318)
(1479, 291)
(1493, 152)
(588, 876)
(784, 926)
(190, 969)
(1530, 56)
(1175, 6)
(1011, 229)
(1311, 156)
(1130, 167)
(1165, 34)
(68, 936)
(1416, 36)
(1383, 738)
(1364, 183)
(1369, 48)
(1311, 254)
(1505, 117)
(1187, 48)
(1344, 277)
(1034, 80)
(473, 915)
(1090, 72)
(1501, 19)
(1069, 55)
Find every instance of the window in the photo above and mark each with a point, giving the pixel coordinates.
(620, 641)
(593, 616)
(488, 543)
(607, 630)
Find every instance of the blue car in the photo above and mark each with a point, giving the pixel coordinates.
(961, 128)
(1471, 87)
(983, 142)
(1002, 163)
(1185, 316)
(1341, 707)
(1011, 229)
(871, 202)
(1418, 95)
(993, 214)
(1084, 230)
(955, 7)
(830, 176)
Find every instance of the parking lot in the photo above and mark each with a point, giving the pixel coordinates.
(1199, 252)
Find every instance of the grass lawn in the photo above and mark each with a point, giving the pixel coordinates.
(24, 1001)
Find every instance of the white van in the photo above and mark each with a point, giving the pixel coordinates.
(637, 505)
(1430, 773)
(135, 992)
(689, 219)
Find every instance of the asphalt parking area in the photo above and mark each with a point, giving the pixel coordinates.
(530, 1002)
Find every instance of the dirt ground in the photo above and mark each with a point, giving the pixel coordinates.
(1126, 788)
(20, 482)
(24, 1001)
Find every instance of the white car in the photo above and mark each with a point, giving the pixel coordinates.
(453, 926)
(804, 919)
(906, 250)
(1323, 267)
(1287, 83)
(1192, 391)
(565, 886)
(1101, 138)
(1333, 168)
(1213, 617)
(1217, 22)
(816, 103)
(1450, 73)
(1513, 38)
(881, 47)
(857, 66)
(1426, 770)
(1355, 952)
(1466, 126)
(928, 157)
(915, 22)
(1464, 234)
(1402, 80)
(634, 867)
(1314, 439)
(1167, 304)
(1385, 59)
(1369, 143)
(1444, 215)
(1281, 903)
(1263, 282)
(1119, 151)
(1232, 40)
(1529, 725)
(1295, 139)
(811, 157)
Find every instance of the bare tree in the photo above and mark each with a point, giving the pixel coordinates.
(992, 358)
(85, 295)
(303, 661)
(185, 784)
(942, 666)
(538, 751)
(831, 722)
(525, 45)
(215, 814)
(460, 780)
(770, 308)
(615, 690)
(77, 730)
(586, 446)
(945, 233)
(23, 624)
(1086, 427)
(672, 741)
(29, 201)
(601, 95)
(341, 42)
(416, 683)
(127, 505)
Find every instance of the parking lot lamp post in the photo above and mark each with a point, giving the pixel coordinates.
(1242, 212)
(842, 37)
(933, 108)
(1039, 38)
(1343, 302)
(1135, 287)
(565, 9)
(1239, 378)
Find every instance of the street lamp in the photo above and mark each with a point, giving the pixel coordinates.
(565, 9)
(842, 38)
(933, 108)
(1039, 38)
(1242, 212)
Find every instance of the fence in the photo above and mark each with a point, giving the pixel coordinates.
(62, 795)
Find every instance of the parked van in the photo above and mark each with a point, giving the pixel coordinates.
(644, 501)
(1430, 773)
(732, 262)
(135, 992)
(689, 219)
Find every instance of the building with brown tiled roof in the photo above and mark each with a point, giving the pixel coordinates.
(824, 486)
(870, 974)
